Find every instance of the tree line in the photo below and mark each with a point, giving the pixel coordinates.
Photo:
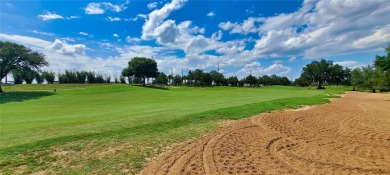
(140, 69)
(373, 77)
(24, 64)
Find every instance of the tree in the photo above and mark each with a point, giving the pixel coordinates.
(357, 78)
(141, 67)
(177, 80)
(49, 77)
(383, 62)
(197, 74)
(14, 56)
(251, 80)
(218, 77)
(336, 74)
(161, 78)
(317, 71)
(39, 78)
(233, 81)
(206, 79)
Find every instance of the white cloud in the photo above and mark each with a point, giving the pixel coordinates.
(115, 35)
(250, 25)
(255, 69)
(74, 17)
(377, 38)
(94, 8)
(156, 17)
(211, 14)
(132, 40)
(349, 64)
(62, 47)
(111, 19)
(83, 33)
(152, 5)
(292, 59)
(50, 16)
(42, 33)
(323, 28)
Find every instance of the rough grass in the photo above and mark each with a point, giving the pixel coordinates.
(84, 129)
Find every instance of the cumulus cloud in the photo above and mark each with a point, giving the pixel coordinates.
(349, 64)
(211, 14)
(257, 70)
(325, 27)
(157, 17)
(94, 8)
(152, 5)
(112, 19)
(250, 25)
(115, 35)
(50, 16)
(67, 49)
(130, 39)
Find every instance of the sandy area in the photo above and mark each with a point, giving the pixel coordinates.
(350, 135)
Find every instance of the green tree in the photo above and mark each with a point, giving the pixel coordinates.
(218, 77)
(251, 80)
(197, 74)
(141, 67)
(357, 78)
(206, 79)
(39, 78)
(317, 71)
(161, 79)
(49, 77)
(14, 56)
(177, 80)
(336, 74)
(233, 81)
(383, 62)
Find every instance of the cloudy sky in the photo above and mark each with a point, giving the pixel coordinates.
(258, 36)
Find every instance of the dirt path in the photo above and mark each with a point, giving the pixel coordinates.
(351, 135)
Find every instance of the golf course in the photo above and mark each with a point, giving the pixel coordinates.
(117, 128)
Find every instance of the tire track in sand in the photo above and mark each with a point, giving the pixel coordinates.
(350, 135)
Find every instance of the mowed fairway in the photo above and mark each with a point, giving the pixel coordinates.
(118, 128)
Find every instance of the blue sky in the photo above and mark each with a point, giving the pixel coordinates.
(258, 36)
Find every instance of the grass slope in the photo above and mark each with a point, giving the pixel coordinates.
(116, 128)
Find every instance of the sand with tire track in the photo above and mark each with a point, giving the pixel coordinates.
(350, 135)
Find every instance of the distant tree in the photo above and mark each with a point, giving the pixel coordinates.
(251, 80)
(357, 78)
(369, 77)
(161, 79)
(218, 78)
(197, 74)
(122, 80)
(265, 80)
(336, 75)
(206, 79)
(318, 71)
(301, 81)
(49, 77)
(39, 78)
(18, 76)
(233, 81)
(383, 62)
(141, 67)
(14, 56)
(177, 80)
(107, 79)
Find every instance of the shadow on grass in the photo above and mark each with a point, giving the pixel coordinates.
(20, 96)
(152, 87)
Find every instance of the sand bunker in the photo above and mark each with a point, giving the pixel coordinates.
(351, 135)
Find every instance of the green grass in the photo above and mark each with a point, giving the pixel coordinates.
(118, 127)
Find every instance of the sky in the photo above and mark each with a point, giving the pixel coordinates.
(261, 37)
